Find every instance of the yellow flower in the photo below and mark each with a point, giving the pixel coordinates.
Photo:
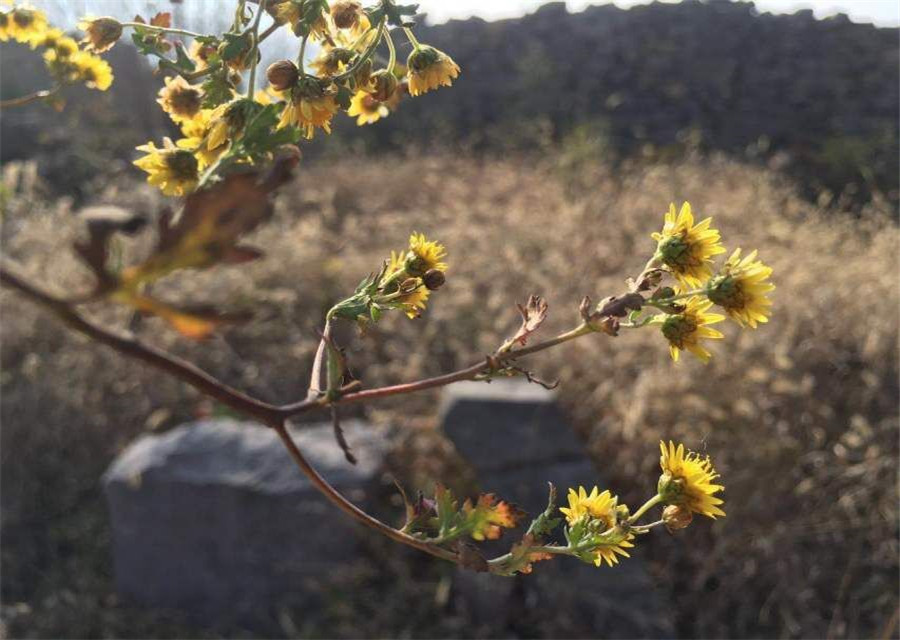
(180, 99)
(23, 24)
(93, 71)
(615, 542)
(57, 40)
(424, 255)
(413, 303)
(687, 249)
(599, 506)
(173, 170)
(195, 133)
(291, 13)
(102, 33)
(688, 480)
(430, 68)
(685, 330)
(331, 61)
(201, 53)
(741, 289)
(367, 109)
(309, 107)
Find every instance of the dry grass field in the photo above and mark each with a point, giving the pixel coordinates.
(800, 415)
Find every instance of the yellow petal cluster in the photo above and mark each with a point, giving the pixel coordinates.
(689, 480)
(685, 330)
(430, 68)
(742, 289)
(309, 112)
(366, 109)
(599, 506)
(23, 24)
(686, 248)
(180, 99)
(174, 170)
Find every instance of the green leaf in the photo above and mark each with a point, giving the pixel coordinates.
(545, 523)
(217, 89)
(446, 508)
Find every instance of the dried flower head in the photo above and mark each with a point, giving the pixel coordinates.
(102, 33)
(282, 75)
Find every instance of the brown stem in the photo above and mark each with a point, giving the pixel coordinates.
(351, 509)
(129, 346)
(439, 381)
(315, 377)
(28, 99)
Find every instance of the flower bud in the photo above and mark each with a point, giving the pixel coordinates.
(408, 286)
(384, 84)
(670, 488)
(282, 74)
(346, 13)
(676, 517)
(434, 279)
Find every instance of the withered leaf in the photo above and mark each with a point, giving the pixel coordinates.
(487, 517)
(197, 322)
(209, 226)
(533, 315)
(522, 558)
(162, 19)
(102, 222)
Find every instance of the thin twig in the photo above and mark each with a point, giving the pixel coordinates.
(29, 98)
(351, 509)
(131, 347)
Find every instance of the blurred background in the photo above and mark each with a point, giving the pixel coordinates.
(779, 121)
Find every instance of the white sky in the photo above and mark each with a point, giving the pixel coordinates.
(884, 13)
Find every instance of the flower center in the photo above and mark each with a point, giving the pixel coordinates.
(727, 292)
(678, 328)
(182, 165)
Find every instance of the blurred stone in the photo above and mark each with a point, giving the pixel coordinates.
(483, 421)
(214, 518)
(517, 439)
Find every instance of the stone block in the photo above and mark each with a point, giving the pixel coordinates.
(214, 518)
(505, 424)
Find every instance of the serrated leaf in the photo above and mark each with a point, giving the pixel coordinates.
(196, 323)
(161, 19)
(102, 223)
(533, 316)
(217, 89)
(487, 517)
(522, 557)
(545, 523)
(182, 60)
(446, 511)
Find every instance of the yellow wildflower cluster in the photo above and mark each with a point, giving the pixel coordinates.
(65, 61)
(416, 272)
(685, 250)
(203, 98)
(599, 529)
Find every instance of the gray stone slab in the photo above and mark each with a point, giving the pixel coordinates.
(214, 518)
(505, 424)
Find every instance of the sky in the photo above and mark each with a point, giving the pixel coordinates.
(884, 13)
